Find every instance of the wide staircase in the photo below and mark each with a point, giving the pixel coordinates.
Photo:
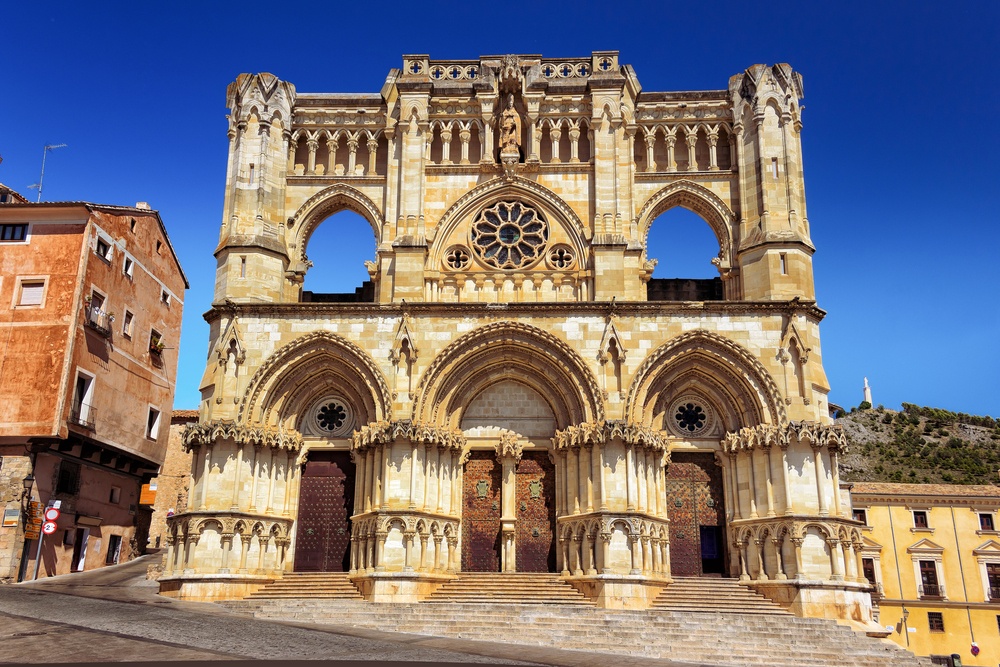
(516, 609)
(508, 588)
(698, 594)
(319, 585)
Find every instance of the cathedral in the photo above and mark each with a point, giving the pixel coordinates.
(511, 390)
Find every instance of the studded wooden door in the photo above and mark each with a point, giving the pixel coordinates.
(481, 513)
(536, 513)
(697, 516)
(326, 502)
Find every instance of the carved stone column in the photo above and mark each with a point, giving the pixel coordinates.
(508, 450)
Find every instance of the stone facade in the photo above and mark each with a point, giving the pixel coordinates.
(512, 332)
(91, 298)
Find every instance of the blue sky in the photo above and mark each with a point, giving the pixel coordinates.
(899, 139)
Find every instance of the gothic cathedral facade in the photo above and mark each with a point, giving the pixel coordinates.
(511, 390)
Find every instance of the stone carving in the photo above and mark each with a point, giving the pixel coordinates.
(509, 135)
(509, 445)
(268, 436)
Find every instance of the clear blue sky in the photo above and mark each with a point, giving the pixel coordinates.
(899, 136)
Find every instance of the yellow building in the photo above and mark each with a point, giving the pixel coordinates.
(932, 552)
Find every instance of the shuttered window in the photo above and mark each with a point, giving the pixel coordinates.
(32, 292)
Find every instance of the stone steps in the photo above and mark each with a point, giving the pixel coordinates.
(321, 585)
(493, 587)
(697, 594)
(710, 637)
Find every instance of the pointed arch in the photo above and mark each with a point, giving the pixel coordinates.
(727, 374)
(698, 199)
(508, 351)
(302, 370)
(519, 188)
(325, 203)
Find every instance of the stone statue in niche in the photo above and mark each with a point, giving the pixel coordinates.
(510, 129)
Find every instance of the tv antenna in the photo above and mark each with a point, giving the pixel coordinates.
(45, 151)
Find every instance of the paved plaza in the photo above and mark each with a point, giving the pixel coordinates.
(115, 615)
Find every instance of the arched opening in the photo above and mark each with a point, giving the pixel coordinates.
(684, 246)
(337, 250)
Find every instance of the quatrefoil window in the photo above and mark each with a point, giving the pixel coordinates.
(561, 257)
(509, 235)
(690, 417)
(457, 258)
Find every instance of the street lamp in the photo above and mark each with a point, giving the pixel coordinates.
(29, 481)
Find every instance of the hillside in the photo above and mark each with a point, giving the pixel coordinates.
(921, 446)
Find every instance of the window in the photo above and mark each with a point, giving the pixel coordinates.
(69, 478)
(14, 233)
(98, 318)
(114, 547)
(929, 579)
(986, 522)
(153, 423)
(81, 412)
(165, 297)
(128, 266)
(30, 292)
(868, 569)
(116, 495)
(159, 244)
(127, 323)
(935, 621)
(993, 577)
(920, 519)
(155, 342)
(862, 516)
(131, 224)
(103, 248)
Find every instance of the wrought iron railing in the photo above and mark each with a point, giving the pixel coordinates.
(82, 414)
(99, 320)
(994, 593)
(931, 590)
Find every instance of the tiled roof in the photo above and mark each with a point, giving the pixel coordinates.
(894, 489)
(184, 415)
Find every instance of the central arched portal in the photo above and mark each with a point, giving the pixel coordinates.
(508, 494)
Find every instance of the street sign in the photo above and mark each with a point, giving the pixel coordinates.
(49, 527)
(51, 514)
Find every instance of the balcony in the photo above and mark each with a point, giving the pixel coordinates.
(99, 320)
(932, 591)
(994, 593)
(82, 414)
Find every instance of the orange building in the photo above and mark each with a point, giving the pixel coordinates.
(91, 298)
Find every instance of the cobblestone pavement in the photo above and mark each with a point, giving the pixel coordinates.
(114, 615)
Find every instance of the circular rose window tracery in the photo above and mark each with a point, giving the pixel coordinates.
(690, 416)
(332, 417)
(509, 235)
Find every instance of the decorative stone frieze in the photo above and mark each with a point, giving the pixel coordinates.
(207, 433)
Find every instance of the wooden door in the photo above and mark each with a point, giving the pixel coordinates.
(536, 513)
(697, 516)
(481, 512)
(326, 503)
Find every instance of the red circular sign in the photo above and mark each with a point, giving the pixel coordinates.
(51, 514)
(49, 527)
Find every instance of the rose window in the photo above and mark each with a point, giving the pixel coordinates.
(332, 416)
(690, 416)
(509, 235)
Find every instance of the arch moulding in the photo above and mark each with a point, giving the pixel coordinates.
(499, 188)
(699, 199)
(288, 358)
(729, 356)
(459, 364)
(325, 203)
